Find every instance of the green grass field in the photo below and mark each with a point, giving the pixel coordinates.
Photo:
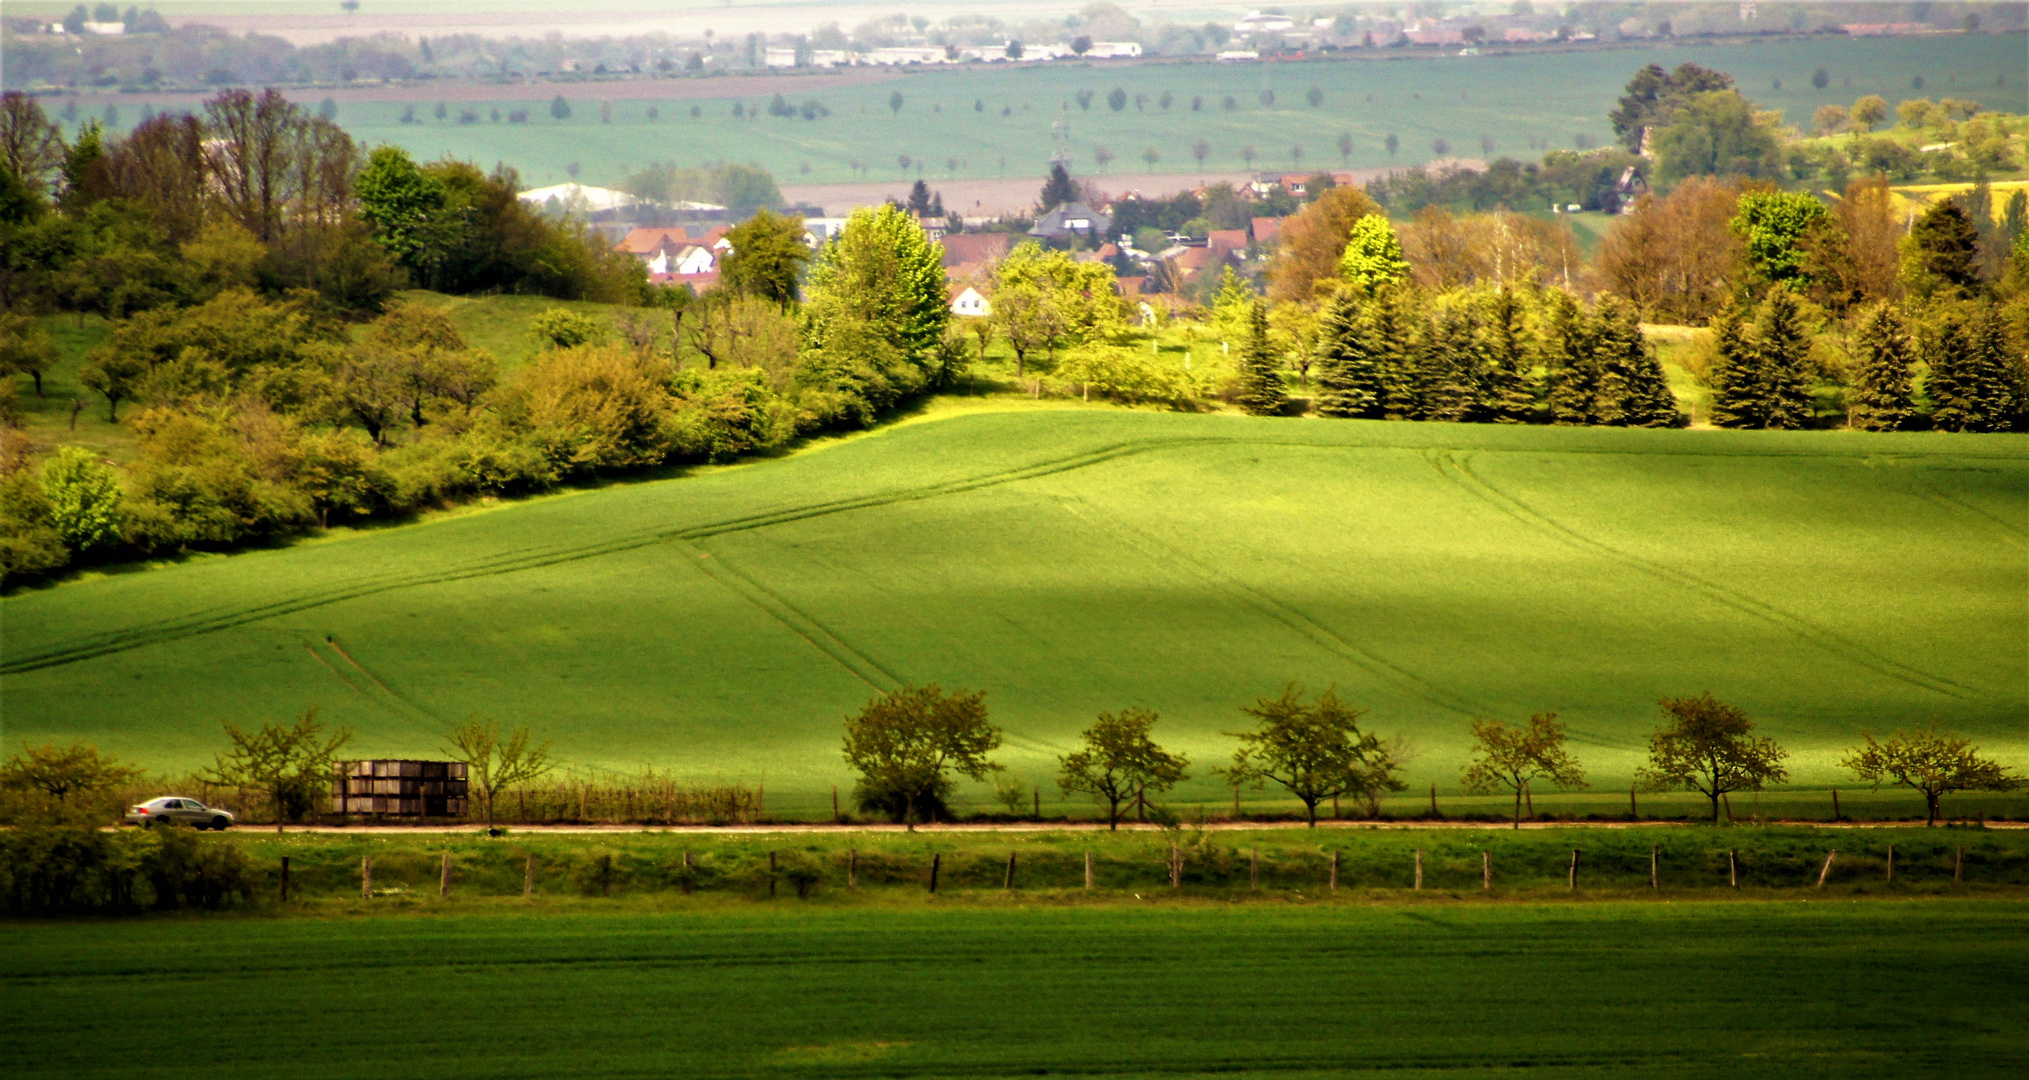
(1419, 98)
(1016, 988)
(1073, 560)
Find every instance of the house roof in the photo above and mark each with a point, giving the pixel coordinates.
(1131, 286)
(962, 249)
(646, 241)
(1052, 223)
(1266, 229)
(1224, 240)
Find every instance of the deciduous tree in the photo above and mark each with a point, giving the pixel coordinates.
(1313, 240)
(1119, 761)
(905, 744)
(766, 259)
(62, 773)
(1709, 747)
(290, 764)
(1316, 751)
(494, 764)
(84, 498)
(1513, 757)
(1933, 762)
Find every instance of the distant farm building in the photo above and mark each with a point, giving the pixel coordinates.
(392, 786)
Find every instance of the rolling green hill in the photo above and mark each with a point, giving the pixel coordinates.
(1069, 561)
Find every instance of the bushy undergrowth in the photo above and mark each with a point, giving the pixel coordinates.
(54, 870)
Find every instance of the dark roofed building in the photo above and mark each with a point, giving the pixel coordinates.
(1071, 219)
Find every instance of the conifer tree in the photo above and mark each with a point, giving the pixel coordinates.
(1447, 386)
(1949, 383)
(1993, 375)
(1784, 347)
(1261, 389)
(1389, 326)
(1348, 383)
(1736, 375)
(1633, 390)
(1507, 393)
(1570, 353)
(1881, 386)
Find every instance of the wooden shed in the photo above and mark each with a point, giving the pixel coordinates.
(394, 786)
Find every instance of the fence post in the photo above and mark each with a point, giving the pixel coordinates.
(1254, 868)
(1836, 816)
(1007, 884)
(1088, 870)
(1335, 870)
(834, 804)
(1891, 864)
(1732, 868)
(683, 881)
(936, 861)
(366, 877)
(1176, 867)
(1959, 866)
(528, 878)
(1633, 811)
(1486, 869)
(284, 897)
(1236, 802)
(444, 878)
(771, 875)
(1655, 865)
(1419, 868)
(1826, 869)
(1038, 789)
(1574, 868)
(852, 868)
(1433, 802)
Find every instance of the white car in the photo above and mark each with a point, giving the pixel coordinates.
(177, 810)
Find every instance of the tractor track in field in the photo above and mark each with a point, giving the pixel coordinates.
(1451, 465)
(1305, 625)
(1923, 487)
(225, 617)
(217, 619)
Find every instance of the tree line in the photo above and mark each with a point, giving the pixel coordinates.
(910, 745)
(237, 257)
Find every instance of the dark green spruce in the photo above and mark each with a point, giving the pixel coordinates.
(1881, 383)
(1261, 390)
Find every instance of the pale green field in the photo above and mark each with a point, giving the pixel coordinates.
(1524, 102)
(1073, 560)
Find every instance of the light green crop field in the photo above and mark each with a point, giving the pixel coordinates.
(1069, 561)
(929, 989)
(1532, 100)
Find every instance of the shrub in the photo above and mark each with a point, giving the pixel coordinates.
(185, 871)
(562, 328)
(55, 870)
(1129, 375)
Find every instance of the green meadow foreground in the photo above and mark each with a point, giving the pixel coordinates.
(1070, 561)
(1003, 987)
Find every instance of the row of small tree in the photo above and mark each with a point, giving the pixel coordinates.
(908, 745)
